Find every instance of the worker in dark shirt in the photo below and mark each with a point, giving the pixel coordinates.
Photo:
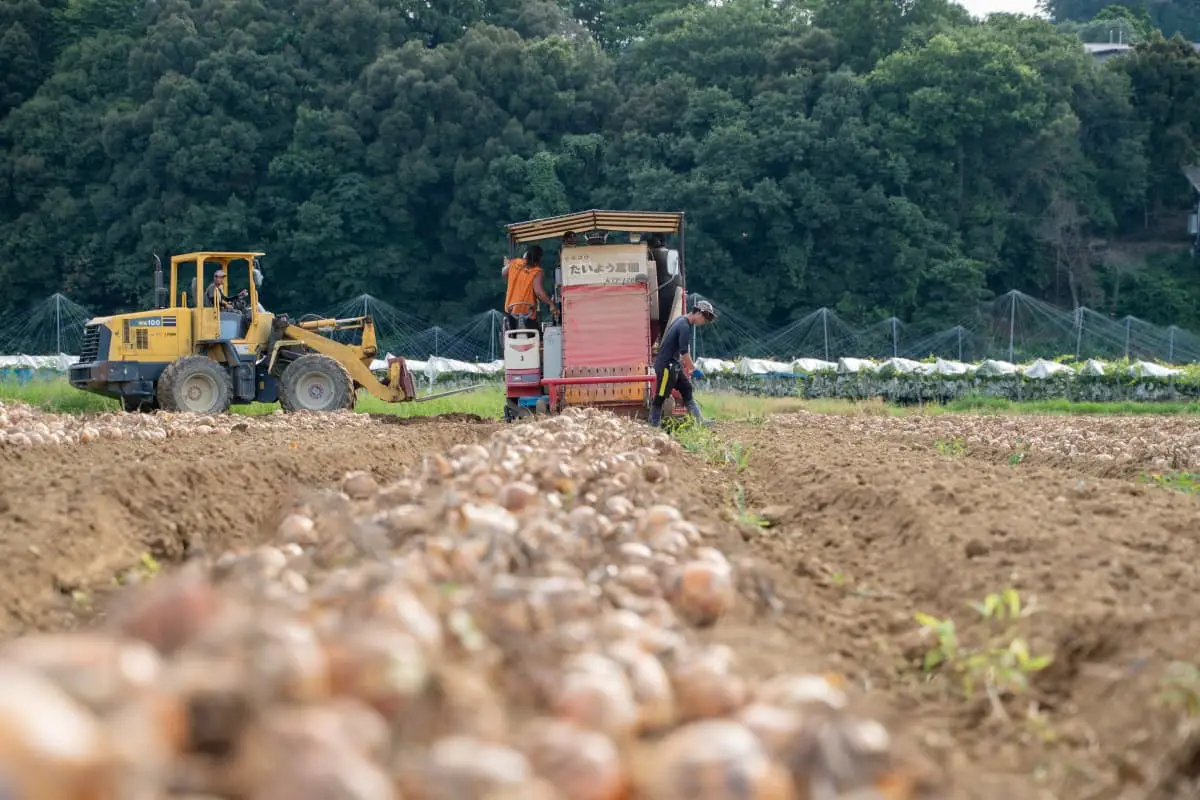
(673, 365)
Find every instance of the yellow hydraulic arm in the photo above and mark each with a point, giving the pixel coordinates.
(357, 362)
(400, 387)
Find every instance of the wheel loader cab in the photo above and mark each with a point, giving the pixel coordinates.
(240, 330)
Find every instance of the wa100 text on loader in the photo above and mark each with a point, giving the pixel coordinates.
(190, 354)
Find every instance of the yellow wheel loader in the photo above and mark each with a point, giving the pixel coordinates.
(205, 349)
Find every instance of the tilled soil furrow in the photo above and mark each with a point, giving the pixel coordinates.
(72, 518)
(878, 524)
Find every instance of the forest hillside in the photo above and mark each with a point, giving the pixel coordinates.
(878, 158)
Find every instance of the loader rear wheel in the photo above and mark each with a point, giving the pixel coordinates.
(315, 382)
(195, 385)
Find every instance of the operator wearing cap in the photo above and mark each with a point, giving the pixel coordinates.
(673, 365)
(215, 294)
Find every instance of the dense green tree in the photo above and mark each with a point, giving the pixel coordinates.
(874, 156)
(1165, 80)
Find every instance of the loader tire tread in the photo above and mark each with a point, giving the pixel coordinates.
(170, 390)
(341, 396)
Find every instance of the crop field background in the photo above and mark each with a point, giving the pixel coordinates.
(866, 537)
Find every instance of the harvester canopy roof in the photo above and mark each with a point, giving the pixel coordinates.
(215, 255)
(584, 221)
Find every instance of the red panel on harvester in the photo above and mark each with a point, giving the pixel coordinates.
(605, 326)
(606, 330)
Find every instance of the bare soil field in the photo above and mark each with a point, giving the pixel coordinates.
(851, 526)
(73, 518)
(883, 517)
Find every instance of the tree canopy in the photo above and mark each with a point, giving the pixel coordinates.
(874, 156)
(1169, 17)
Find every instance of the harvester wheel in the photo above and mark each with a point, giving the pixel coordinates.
(316, 382)
(514, 411)
(196, 385)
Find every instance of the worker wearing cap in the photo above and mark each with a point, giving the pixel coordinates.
(525, 288)
(214, 295)
(673, 365)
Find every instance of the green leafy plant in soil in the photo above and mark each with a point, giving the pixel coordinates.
(1000, 662)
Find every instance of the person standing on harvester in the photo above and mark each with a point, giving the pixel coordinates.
(673, 365)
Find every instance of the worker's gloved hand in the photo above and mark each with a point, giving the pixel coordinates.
(696, 373)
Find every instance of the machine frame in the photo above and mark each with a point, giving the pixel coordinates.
(624, 389)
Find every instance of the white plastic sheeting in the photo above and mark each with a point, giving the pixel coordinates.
(1045, 369)
(990, 368)
(943, 367)
(1038, 370)
(59, 363)
(1152, 370)
(715, 366)
(435, 366)
(761, 366)
(904, 366)
(432, 367)
(851, 366)
(440, 366)
(810, 365)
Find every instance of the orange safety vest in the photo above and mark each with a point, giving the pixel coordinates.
(520, 287)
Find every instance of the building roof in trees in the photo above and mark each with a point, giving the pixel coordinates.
(1193, 176)
(1106, 50)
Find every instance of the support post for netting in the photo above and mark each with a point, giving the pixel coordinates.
(895, 340)
(960, 357)
(1127, 321)
(58, 323)
(1171, 345)
(492, 339)
(825, 328)
(435, 342)
(1012, 323)
(1078, 331)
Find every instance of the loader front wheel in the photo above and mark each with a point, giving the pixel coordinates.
(315, 382)
(195, 385)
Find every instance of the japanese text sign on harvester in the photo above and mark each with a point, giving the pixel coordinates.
(604, 264)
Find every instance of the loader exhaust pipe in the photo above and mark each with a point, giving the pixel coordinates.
(160, 291)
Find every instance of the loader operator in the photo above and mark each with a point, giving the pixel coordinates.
(525, 289)
(669, 373)
(214, 295)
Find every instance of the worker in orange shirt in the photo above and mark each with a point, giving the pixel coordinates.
(525, 289)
